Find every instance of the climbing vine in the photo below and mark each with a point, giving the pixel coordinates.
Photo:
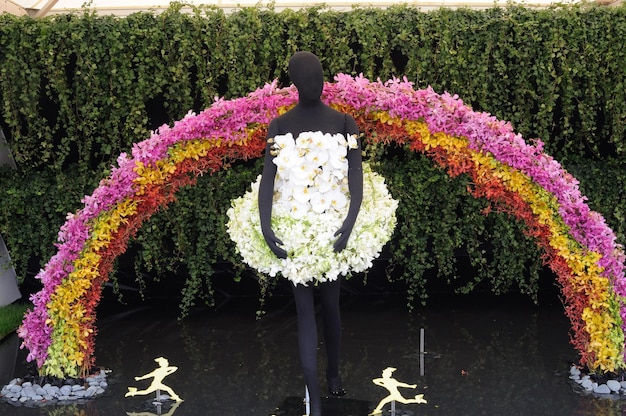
(77, 90)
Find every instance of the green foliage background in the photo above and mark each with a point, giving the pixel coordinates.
(77, 90)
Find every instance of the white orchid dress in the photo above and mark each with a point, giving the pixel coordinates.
(311, 201)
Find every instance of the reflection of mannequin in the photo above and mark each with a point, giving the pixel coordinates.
(311, 114)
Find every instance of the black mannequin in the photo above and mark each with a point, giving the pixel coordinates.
(311, 114)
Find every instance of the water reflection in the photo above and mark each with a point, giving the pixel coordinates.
(159, 409)
(483, 356)
(8, 355)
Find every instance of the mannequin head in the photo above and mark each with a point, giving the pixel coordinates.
(306, 73)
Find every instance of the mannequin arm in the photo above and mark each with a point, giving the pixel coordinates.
(355, 186)
(266, 193)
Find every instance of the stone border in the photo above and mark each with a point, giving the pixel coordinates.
(19, 392)
(611, 387)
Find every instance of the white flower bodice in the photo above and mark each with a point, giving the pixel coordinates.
(311, 173)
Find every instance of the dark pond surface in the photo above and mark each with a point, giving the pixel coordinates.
(485, 355)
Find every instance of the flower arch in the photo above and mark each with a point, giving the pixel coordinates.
(513, 175)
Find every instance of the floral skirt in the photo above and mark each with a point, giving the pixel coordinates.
(309, 241)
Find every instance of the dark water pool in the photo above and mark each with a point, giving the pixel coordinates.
(485, 355)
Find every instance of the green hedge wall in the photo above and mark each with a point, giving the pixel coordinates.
(77, 90)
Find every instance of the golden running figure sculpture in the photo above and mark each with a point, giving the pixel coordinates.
(392, 385)
(157, 384)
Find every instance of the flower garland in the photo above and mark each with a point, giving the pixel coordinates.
(515, 176)
(311, 201)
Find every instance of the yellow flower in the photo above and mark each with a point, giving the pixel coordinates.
(188, 150)
(417, 127)
(282, 110)
(165, 167)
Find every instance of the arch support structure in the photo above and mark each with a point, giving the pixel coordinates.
(515, 176)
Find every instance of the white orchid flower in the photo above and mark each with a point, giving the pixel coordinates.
(338, 199)
(283, 141)
(319, 202)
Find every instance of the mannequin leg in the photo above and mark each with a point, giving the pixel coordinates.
(332, 333)
(307, 341)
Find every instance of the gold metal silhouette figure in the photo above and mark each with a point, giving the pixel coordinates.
(392, 385)
(157, 384)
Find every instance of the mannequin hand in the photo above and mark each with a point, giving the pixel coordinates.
(272, 242)
(344, 234)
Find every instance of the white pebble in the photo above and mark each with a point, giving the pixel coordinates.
(613, 385)
(587, 384)
(602, 389)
